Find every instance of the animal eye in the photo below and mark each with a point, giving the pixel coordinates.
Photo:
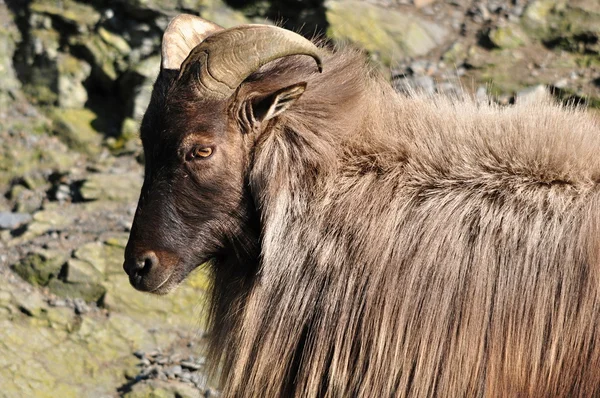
(199, 152)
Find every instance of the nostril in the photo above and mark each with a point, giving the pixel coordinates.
(141, 265)
(146, 262)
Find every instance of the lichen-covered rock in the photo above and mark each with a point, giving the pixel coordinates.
(563, 22)
(91, 292)
(148, 8)
(388, 35)
(115, 41)
(105, 258)
(456, 54)
(28, 159)
(162, 389)
(75, 128)
(9, 36)
(49, 219)
(507, 37)
(40, 267)
(129, 140)
(78, 14)
(78, 271)
(41, 60)
(218, 12)
(477, 57)
(112, 187)
(107, 62)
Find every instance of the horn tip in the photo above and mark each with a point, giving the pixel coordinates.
(319, 64)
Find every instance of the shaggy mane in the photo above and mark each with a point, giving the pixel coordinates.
(414, 246)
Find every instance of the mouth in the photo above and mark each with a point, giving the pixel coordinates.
(162, 280)
(148, 284)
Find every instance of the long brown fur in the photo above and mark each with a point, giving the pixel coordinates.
(414, 246)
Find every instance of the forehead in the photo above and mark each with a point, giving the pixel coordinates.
(178, 113)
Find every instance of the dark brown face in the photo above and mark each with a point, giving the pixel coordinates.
(193, 206)
(198, 133)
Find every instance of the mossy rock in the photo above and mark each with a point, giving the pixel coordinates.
(9, 37)
(183, 309)
(456, 54)
(115, 41)
(507, 37)
(72, 12)
(23, 161)
(107, 61)
(41, 78)
(41, 267)
(218, 12)
(89, 291)
(478, 57)
(561, 21)
(75, 128)
(161, 389)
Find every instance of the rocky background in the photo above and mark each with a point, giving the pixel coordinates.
(75, 78)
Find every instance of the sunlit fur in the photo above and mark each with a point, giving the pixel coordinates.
(413, 246)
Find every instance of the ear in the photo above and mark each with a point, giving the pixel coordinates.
(275, 104)
(184, 32)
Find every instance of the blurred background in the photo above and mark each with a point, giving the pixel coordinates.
(75, 78)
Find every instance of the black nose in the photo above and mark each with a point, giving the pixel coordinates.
(141, 265)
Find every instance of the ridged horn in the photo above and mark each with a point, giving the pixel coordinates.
(183, 33)
(228, 57)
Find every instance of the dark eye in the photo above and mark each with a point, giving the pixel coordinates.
(199, 152)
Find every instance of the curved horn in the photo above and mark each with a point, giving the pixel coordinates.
(183, 33)
(228, 57)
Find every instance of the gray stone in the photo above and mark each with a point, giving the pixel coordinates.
(416, 84)
(81, 306)
(26, 200)
(191, 365)
(63, 193)
(13, 220)
(481, 95)
(533, 94)
(562, 83)
(450, 90)
(145, 73)
(423, 67)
